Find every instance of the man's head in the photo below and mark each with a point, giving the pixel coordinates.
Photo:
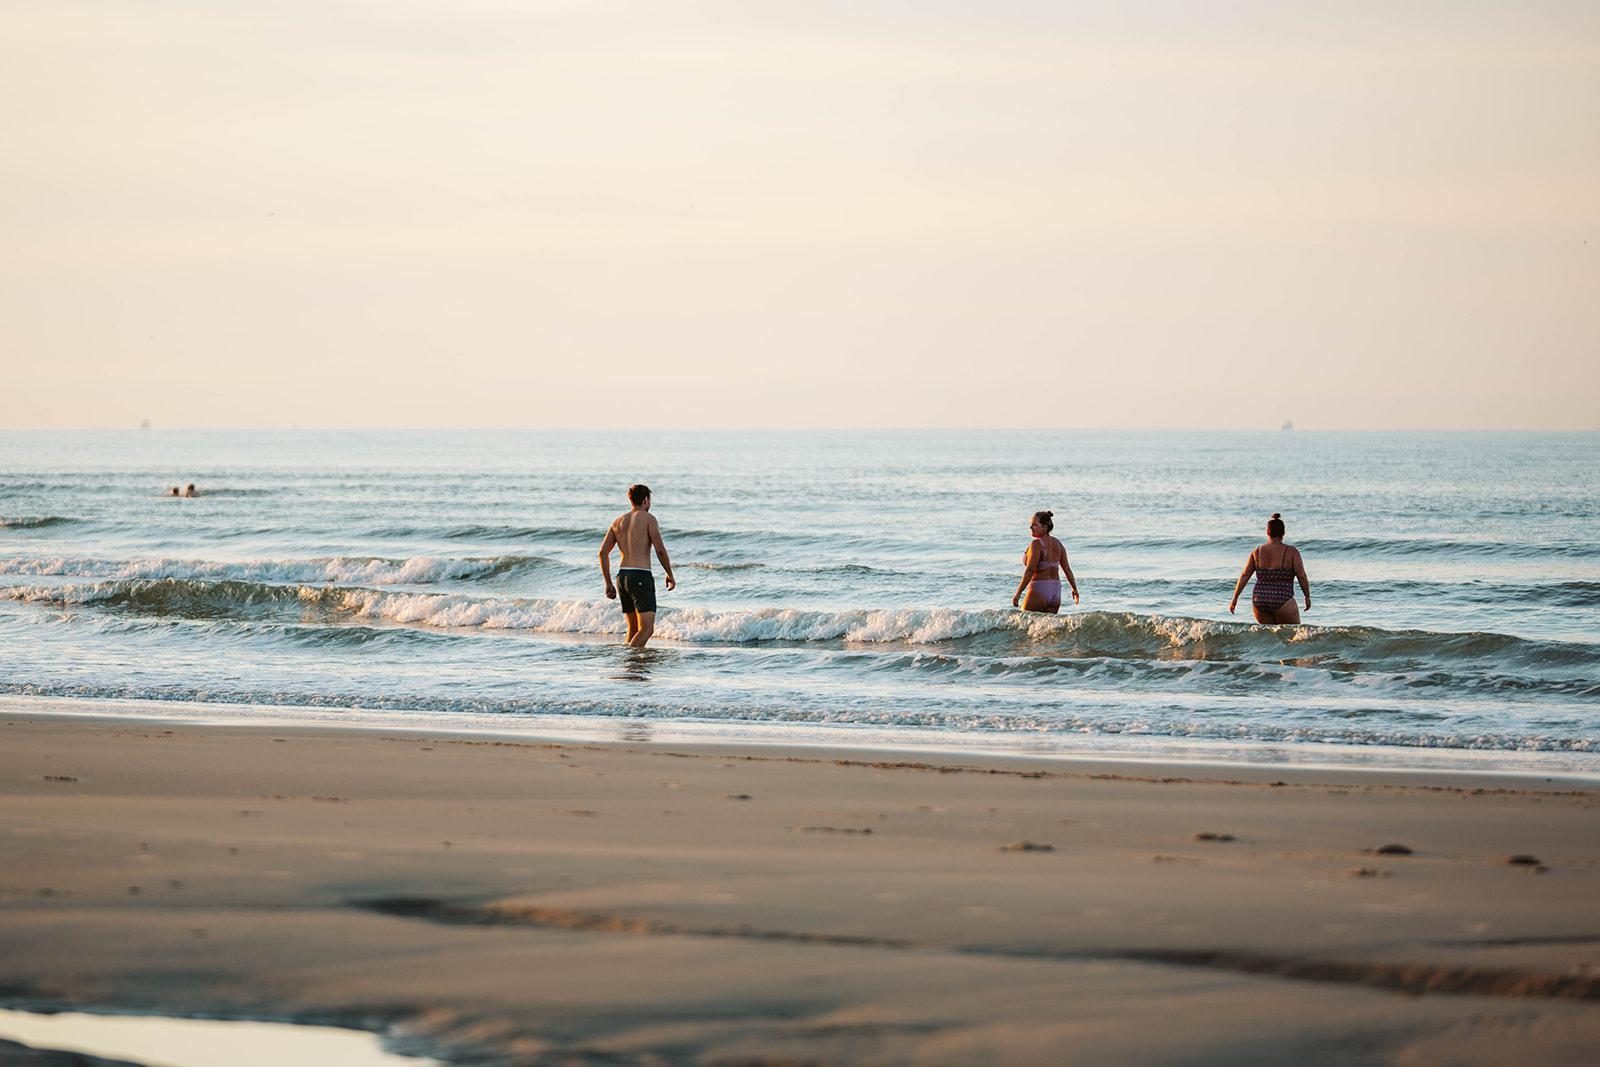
(639, 495)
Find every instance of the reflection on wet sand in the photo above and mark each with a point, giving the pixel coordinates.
(636, 730)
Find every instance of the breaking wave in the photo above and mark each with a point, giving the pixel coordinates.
(1116, 635)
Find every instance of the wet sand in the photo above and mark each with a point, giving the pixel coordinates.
(524, 902)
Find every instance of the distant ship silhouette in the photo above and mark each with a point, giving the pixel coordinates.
(1288, 424)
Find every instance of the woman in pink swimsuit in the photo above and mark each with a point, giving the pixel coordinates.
(1039, 568)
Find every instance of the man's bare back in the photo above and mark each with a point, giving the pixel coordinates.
(634, 532)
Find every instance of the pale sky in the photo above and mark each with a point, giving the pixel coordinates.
(554, 213)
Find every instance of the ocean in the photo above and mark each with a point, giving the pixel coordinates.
(834, 587)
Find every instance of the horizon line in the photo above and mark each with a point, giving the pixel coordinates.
(260, 428)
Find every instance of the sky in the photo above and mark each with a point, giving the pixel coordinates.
(865, 213)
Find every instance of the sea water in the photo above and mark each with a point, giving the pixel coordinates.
(849, 586)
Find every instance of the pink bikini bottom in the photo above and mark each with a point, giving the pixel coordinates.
(1049, 589)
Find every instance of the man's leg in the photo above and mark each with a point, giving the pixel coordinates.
(633, 625)
(644, 628)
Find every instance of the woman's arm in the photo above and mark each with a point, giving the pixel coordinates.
(1066, 569)
(1030, 562)
(1244, 576)
(1300, 573)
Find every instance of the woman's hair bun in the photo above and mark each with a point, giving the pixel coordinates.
(1276, 515)
(1050, 514)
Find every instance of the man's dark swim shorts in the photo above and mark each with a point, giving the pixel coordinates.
(636, 590)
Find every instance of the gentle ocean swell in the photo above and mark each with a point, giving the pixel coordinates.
(485, 532)
(373, 570)
(590, 536)
(1362, 547)
(782, 542)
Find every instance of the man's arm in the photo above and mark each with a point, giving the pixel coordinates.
(605, 560)
(661, 552)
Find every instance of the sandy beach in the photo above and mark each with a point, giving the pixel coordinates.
(498, 901)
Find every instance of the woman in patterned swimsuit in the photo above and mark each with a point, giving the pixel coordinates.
(1276, 566)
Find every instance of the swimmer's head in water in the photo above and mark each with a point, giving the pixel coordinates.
(1275, 525)
(1047, 519)
(638, 495)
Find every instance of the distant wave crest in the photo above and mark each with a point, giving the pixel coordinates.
(342, 570)
(36, 522)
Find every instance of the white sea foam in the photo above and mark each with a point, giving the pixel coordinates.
(1081, 634)
(692, 625)
(702, 626)
(689, 625)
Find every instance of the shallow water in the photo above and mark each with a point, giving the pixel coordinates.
(859, 581)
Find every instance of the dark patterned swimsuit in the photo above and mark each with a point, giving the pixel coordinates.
(1274, 585)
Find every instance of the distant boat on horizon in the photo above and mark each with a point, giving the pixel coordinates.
(1288, 424)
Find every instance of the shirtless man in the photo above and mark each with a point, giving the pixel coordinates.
(634, 533)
